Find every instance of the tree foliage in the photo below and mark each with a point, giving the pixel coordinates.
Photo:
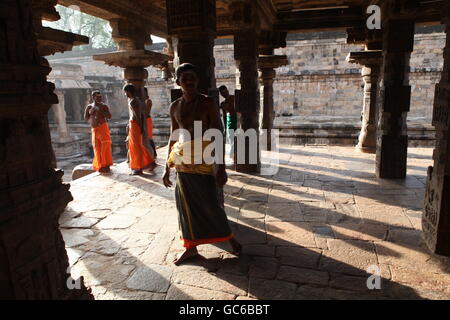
(98, 30)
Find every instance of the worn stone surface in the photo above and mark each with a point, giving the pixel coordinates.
(228, 283)
(184, 292)
(285, 256)
(271, 289)
(153, 278)
(304, 276)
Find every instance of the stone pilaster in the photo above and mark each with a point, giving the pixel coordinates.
(33, 260)
(394, 97)
(436, 216)
(371, 62)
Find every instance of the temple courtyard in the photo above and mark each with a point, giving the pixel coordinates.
(310, 231)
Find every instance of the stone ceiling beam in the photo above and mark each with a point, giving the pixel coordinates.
(319, 20)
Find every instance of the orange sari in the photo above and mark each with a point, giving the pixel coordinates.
(140, 158)
(101, 142)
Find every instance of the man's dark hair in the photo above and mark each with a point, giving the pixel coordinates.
(129, 88)
(184, 68)
(222, 87)
(95, 92)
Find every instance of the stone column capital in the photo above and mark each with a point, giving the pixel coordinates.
(272, 61)
(368, 58)
(130, 35)
(244, 16)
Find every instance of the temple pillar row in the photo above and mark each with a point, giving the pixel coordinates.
(436, 216)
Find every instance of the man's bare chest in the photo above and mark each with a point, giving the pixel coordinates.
(187, 113)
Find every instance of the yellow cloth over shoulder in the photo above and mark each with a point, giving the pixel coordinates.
(180, 159)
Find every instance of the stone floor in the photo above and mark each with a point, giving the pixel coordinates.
(309, 232)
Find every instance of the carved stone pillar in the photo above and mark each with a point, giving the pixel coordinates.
(394, 98)
(33, 260)
(246, 33)
(78, 107)
(371, 62)
(267, 65)
(60, 117)
(436, 217)
(131, 39)
(192, 25)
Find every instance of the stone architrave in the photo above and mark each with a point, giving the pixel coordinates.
(33, 260)
(394, 97)
(436, 216)
(371, 62)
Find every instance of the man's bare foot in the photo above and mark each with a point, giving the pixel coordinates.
(136, 172)
(189, 253)
(237, 247)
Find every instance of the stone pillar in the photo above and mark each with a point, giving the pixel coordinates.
(60, 117)
(267, 76)
(132, 56)
(192, 26)
(267, 64)
(436, 216)
(394, 98)
(33, 260)
(78, 107)
(246, 33)
(371, 62)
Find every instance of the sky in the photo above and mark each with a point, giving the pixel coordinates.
(156, 39)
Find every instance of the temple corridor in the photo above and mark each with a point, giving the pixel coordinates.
(309, 232)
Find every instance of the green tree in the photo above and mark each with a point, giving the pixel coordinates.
(98, 30)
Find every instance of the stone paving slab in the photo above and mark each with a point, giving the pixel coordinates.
(308, 232)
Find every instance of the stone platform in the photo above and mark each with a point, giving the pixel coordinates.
(308, 232)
